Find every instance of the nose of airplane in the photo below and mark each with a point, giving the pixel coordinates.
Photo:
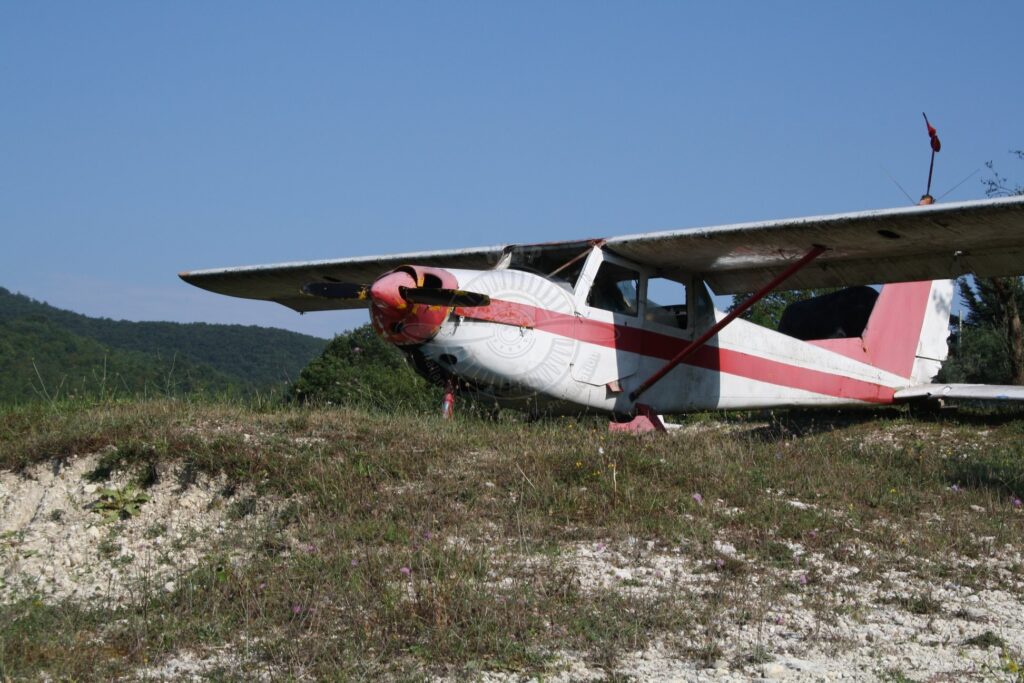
(400, 321)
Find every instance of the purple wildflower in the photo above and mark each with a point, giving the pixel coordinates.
(406, 571)
(955, 488)
(719, 563)
(296, 609)
(699, 499)
(1016, 503)
(355, 562)
(802, 580)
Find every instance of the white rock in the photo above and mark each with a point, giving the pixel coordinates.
(774, 671)
(725, 548)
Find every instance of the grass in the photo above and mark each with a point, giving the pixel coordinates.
(986, 639)
(429, 546)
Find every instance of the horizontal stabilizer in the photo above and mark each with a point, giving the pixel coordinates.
(977, 392)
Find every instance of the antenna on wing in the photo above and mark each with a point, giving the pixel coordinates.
(972, 174)
(933, 137)
(905, 193)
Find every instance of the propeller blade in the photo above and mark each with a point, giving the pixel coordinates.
(437, 296)
(336, 290)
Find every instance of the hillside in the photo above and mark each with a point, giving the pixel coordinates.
(39, 359)
(174, 540)
(43, 346)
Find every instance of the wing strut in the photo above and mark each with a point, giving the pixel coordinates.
(814, 253)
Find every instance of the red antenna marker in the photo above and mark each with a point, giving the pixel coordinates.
(933, 137)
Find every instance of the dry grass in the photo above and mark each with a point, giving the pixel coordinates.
(405, 545)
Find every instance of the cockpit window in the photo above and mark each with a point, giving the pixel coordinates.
(615, 289)
(666, 302)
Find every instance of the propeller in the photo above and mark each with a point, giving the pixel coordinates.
(401, 311)
(438, 296)
(428, 296)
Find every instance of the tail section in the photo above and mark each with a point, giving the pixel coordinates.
(907, 331)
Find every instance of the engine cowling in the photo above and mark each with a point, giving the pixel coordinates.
(399, 321)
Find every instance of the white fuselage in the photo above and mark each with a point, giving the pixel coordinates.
(553, 346)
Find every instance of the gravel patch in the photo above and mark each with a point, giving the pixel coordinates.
(55, 546)
(837, 628)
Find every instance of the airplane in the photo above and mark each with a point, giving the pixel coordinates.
(626, 325)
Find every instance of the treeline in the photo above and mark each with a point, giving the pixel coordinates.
(49, 353)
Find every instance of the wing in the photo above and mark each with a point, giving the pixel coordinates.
(894, 245)
(283, 282)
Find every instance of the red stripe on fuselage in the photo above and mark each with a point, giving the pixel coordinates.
(663, 346)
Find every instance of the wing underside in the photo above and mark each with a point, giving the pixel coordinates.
(284, 282)
(894, 245)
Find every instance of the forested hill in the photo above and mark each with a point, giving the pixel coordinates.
(43, 345)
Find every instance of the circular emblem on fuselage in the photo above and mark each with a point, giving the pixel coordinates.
(523, 344)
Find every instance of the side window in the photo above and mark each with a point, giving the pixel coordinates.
(615, 289)
(666, 302)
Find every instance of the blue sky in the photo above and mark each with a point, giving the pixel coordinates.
(140, 139)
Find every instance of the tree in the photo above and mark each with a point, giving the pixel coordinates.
(980, 352)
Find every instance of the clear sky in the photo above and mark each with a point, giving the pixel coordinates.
(140, 139)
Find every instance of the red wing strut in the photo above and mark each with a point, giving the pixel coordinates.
(814, 253)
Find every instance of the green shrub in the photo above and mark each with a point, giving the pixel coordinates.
(358, 368)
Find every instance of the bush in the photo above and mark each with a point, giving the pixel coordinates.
(358, 368)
